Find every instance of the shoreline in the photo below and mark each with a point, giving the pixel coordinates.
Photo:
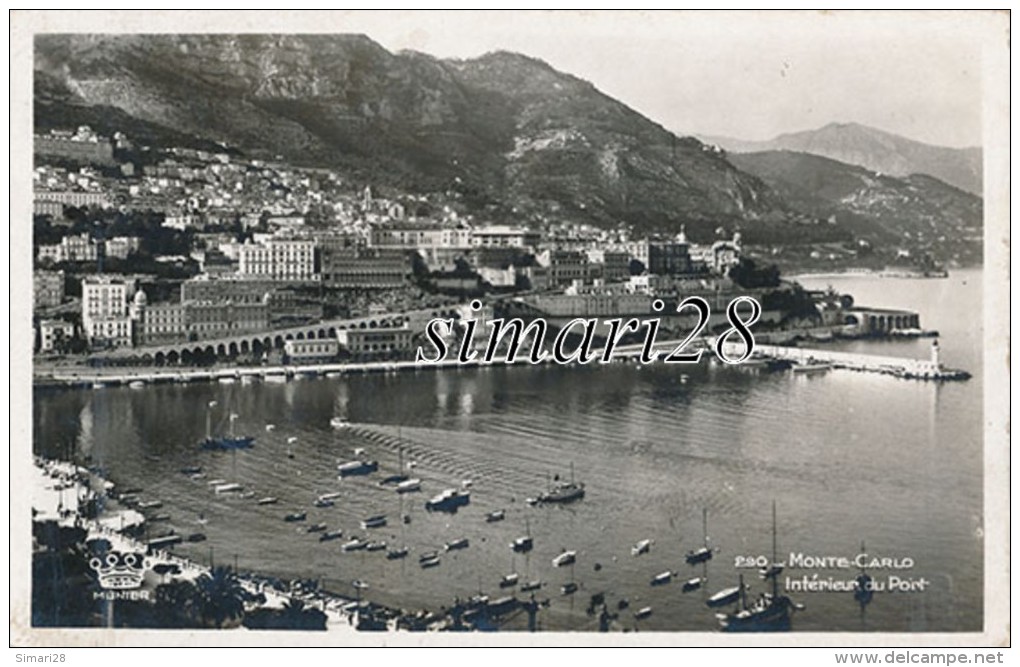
(82, 377)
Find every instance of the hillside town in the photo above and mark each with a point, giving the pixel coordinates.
(137, 246)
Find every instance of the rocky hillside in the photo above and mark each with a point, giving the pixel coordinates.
(917, 212)
(876, 150)
(509, 132)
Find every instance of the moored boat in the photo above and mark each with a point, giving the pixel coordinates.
(662, 578)
(448, 501)
(563, 492)
(459, 543)
(377, 521)
(316, 528)
(565, 558)
(295, 516)
(397, 554)
(725, 596)
(703, 553)
(497, 515)
(409, 485)
(331, 535)
(643, 612)
(339, 423)
(509, 580)
(229, 487)
(642, 547)
(376, 545)
(357, 468)
(354, 544)
(268, 500)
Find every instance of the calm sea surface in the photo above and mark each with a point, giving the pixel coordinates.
(847, 457)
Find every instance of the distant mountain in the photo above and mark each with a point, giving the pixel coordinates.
(875, 150)
(918, 212)
(510, 133)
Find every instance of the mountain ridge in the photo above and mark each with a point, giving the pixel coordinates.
(874, 149)
(508, 127)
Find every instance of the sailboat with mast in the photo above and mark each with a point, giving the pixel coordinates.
(703, 553)
(224, 442)
(564, 492)
(771, 612)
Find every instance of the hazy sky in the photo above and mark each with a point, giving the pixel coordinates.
(748, 75)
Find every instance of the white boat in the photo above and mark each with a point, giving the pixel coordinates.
(531, 586)
(724, 597)
(216, 482)
(377, 521)
(332, 495)
(565, 558)
(498, 515)
(137, 384)
(247, 379)
(355, 544)
(376, 546)
(339, 422)
(448, 501)
(643, 612)
(275, 377)
(692, 584)
(642, 547)
(227, 380)
(662, 578)
(812, 368)
(357, 468)
(509, 580)
(98, 385)
(459, 543)
(228, 488)
(409, 486)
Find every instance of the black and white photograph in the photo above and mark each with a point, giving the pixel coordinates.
(368, 327)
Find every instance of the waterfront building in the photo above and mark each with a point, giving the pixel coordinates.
(375, 341)
(311, 351)
(615, 263)
(504, 236)
(419, 237)
(159, 322)
(48, 288)
(214, 319)
(105, 317)
(51, 332)
(278, 259)
(364, 268)
(567, 266)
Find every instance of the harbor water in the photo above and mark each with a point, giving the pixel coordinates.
(848, 458)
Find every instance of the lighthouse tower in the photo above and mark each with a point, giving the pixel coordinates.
(935, 354)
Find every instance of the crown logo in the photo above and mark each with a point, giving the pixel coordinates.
(117, 571)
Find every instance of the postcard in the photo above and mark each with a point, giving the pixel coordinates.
(542, 328)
